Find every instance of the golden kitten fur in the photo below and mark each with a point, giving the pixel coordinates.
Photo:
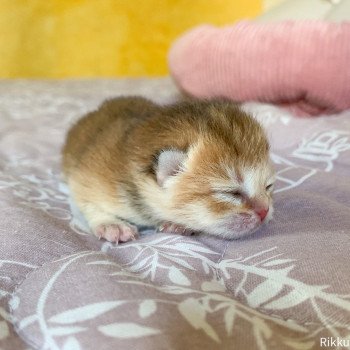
(194, 166)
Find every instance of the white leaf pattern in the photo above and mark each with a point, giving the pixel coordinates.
(127, 330)
(27, 321)
(324, 147)
(264, 292)
(293, 298)
(71, 344)
(4, 330)
(300, 345)
(277, 262)
(147, 308)
(84, 313)
(177, 277)
(195, 314)
(213, 286)
(60, 331)
(229, 317)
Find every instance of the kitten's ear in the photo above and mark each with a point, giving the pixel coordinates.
(169, 164)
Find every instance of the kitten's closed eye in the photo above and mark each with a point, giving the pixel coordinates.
(269, 187)
(235, 193)
(228, 195)
(231, 192)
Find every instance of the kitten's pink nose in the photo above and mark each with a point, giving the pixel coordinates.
(262, 213)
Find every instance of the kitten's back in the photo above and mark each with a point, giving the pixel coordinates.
(105, 126)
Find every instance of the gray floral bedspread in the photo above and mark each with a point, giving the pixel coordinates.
(285, 287)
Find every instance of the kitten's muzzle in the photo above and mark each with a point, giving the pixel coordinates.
(262, 213)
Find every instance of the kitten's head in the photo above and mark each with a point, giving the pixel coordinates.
(222, 185)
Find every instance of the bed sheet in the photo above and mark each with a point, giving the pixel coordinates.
(285, 287)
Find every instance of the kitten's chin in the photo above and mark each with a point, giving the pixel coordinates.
(236, 229)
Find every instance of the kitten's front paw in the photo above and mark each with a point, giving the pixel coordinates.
(120, 232)
(169, 227)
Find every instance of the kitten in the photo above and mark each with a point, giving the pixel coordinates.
(194, 166)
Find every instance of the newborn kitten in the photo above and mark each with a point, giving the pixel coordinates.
(191, 166)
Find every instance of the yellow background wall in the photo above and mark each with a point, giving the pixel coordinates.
(89, 38)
